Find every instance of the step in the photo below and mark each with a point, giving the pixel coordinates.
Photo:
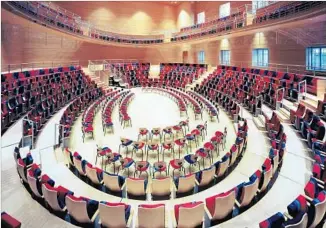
(285, 112)
(261, 119)
(282, 116)
(309, 104)
(259, 123)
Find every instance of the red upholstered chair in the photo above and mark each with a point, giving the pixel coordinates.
(143, 132)
(151, 215)
(182, 213)
(9, 221)
(115, 215)
(220, 206)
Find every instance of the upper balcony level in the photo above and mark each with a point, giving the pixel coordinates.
(241, 19)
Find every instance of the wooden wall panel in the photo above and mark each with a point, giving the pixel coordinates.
(128, 17)
(211, 9)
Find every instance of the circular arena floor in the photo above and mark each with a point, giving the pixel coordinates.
(151, 110)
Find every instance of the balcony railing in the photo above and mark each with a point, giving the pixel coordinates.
(20, 67)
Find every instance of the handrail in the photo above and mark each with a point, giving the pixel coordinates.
(278, 67)
(20, 67)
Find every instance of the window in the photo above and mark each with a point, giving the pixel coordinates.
(225, 10)
(225, 57)
(316, 58)
(201, 57)
(260, 57)
(201, 18)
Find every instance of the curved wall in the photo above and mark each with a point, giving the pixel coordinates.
(24, 41)
(128, 17)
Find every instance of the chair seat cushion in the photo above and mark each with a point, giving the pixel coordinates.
(176, 163)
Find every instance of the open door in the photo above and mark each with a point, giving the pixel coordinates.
(185, 56)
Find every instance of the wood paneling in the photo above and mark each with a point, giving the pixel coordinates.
(127, 17)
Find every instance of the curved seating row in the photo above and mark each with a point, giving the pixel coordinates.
(123, 108)
(172, 95)
(22, 91)
(88, 118)
(112, 99)
(212, 111)
(71, 113)
(308, 209)
(189, 100)
(184, 184)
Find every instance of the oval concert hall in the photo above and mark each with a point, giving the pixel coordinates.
(163, 114)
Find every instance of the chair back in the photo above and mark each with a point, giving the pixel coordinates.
(267, 175)
(50, 196)
(112, 216)
(223, 167)
(151, 216)
(136, 186)
(221, 205)
(320, 209)
(186, 183)
(21, 169)
(78, 165)
(275, 163)
(111, 182)
(248, 193)
(161, 186)
(91, 173)
(191, 216)
(77, 209)
(32, 182)
(207, 176)
(68, 157)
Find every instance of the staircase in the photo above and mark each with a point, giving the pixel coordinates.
(259, 121)
(95, 78)
(154, 71)
(200, 79)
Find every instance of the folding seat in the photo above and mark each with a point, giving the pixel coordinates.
(94, 174)
(299, 113)
(34, 183)
(206, 177)
(114, 183)
(222, 166)
(312, 188)
(246, 192)
(273, 155)
(151, 215)
(9, 221)
(81, 209)
(307, 118)
(185, 185)
(161, 188)
(317, 210)
(80, 165)
(136, 188)
(220, 207)
(315, 135)
(193, 210)
(311, 126)
(115, 215)
(55, 197)
(266, 177)
(275, 221)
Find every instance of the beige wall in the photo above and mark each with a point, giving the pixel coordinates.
(185, 14)
(211, 9)
(281, 49)
(128, 17)
(24, 41)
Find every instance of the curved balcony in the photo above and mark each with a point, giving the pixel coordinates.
(242, 19)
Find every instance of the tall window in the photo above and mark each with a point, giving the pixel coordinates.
(201, 18)
(201, 57)
(225, 57)
(225, 10)
(257, 4)
(260, 57)
(316, 58)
